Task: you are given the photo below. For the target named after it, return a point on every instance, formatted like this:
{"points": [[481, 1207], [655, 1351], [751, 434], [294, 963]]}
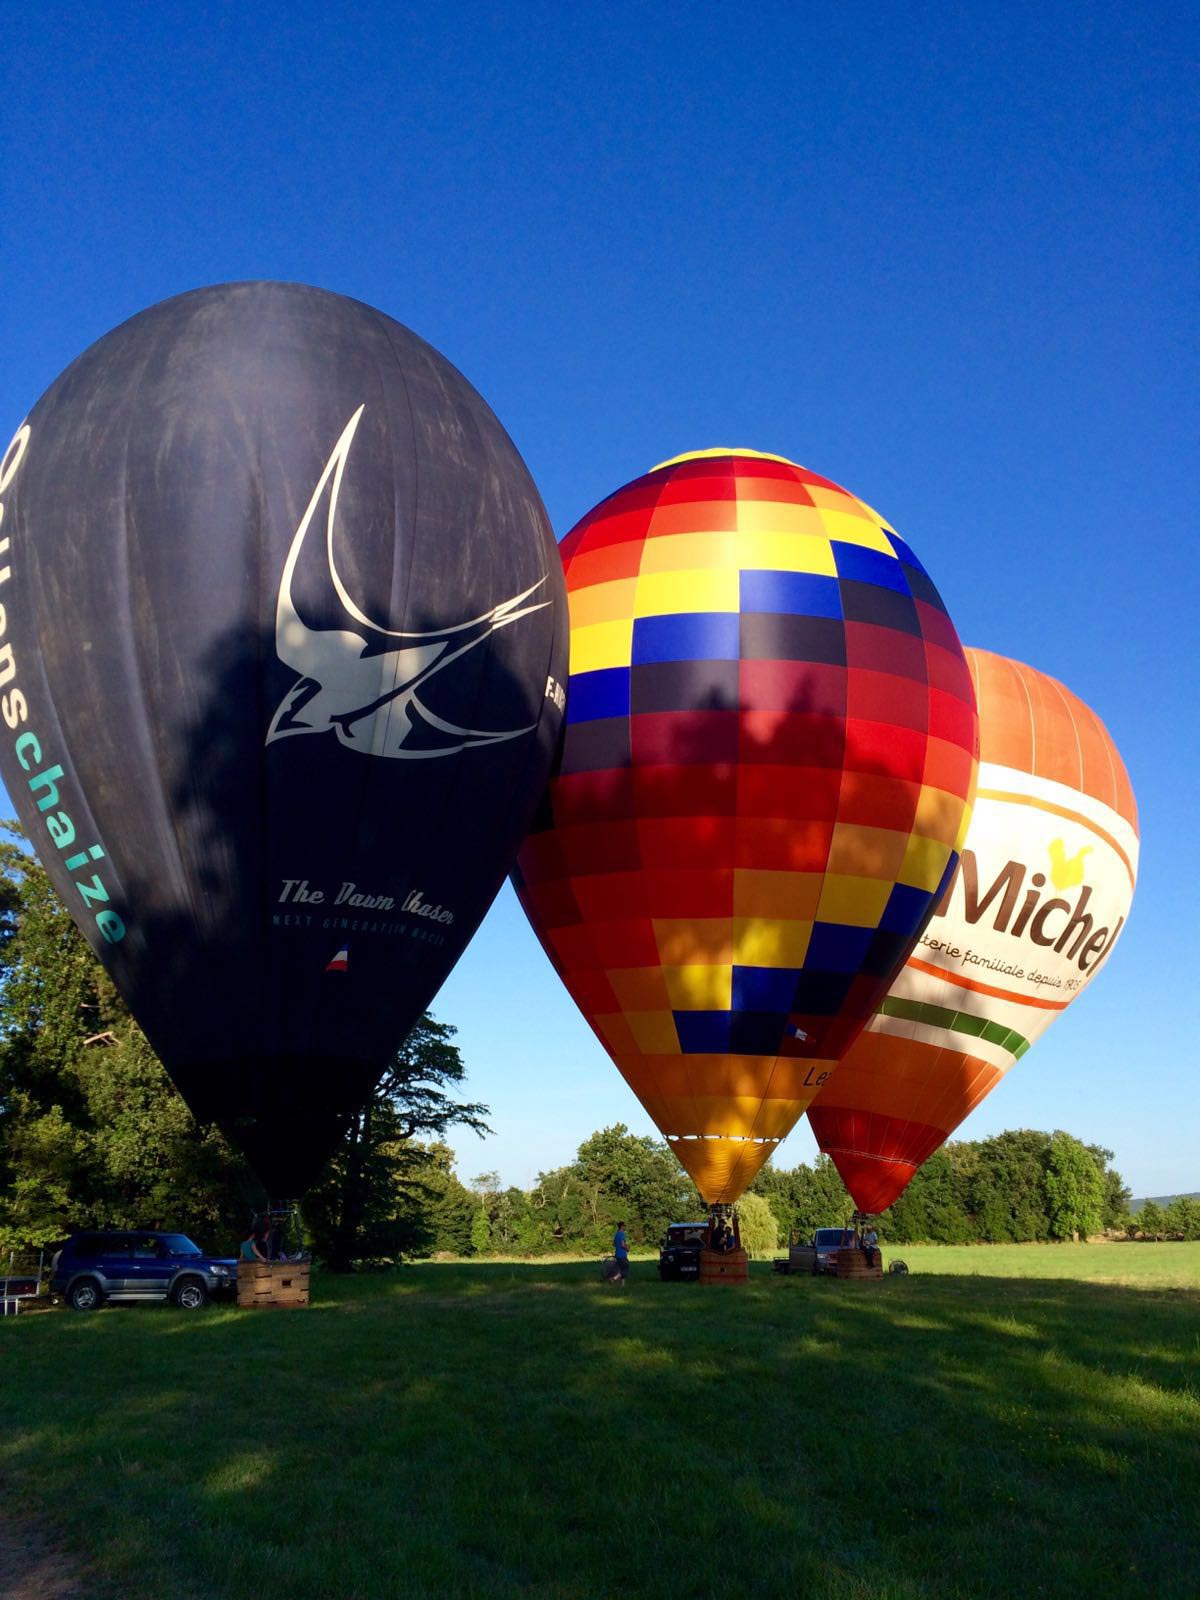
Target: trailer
{"points": [[23, 1280]]}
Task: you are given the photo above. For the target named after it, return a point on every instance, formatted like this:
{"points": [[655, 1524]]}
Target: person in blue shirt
{"points": [[621, 1252], [254, 1248]]}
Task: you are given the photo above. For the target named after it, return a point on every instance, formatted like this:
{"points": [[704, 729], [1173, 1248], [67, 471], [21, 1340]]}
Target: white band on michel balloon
{"points": [[1024, 926]]}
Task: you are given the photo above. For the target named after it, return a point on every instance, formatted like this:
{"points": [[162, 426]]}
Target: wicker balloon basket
{"points": [[853, 1263], [724, 1266], [272, 1283]]}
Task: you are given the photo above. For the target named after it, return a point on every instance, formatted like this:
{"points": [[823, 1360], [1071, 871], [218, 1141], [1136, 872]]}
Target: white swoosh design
{"points": [[372, 702]]}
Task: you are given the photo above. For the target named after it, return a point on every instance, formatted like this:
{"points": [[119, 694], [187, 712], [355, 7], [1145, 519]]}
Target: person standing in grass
{"points": [[621, 1252]]}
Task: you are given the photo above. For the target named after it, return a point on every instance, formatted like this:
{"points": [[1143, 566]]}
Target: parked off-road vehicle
{"points": [[679, 1256], [94, 1267]]}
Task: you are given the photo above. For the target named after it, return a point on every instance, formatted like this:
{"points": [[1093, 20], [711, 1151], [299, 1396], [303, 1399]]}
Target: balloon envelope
{"points": [[283, 621], [1040, 897], [769, 748]]}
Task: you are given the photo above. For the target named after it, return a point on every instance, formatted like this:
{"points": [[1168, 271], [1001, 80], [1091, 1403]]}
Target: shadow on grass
{"points": [[523, 1429]]}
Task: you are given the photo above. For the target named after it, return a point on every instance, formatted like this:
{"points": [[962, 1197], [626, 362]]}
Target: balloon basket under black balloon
{"points": [[273, 1283], [283, 1279]]}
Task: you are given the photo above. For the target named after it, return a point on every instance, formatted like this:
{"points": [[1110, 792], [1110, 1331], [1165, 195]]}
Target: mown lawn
{"points": [[1139, 1265], [513, 1429]]}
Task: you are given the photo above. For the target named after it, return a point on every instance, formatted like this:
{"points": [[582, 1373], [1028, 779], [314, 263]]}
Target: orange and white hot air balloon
{"points": [[1040, 897]]}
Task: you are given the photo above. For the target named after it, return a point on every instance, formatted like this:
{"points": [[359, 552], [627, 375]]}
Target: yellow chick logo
{"points": [[1066, 871]]}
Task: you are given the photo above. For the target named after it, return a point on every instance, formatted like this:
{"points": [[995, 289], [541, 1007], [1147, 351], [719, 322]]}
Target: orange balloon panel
{"points": [[770, 743], [1041, 893]]}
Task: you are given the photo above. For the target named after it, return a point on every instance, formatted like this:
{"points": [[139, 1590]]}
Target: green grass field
{"points": [[1169, 1266], [1009, 1421]]}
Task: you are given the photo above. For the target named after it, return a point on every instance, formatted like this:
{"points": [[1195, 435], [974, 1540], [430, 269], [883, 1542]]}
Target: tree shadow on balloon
{"points": [[309, 889]]}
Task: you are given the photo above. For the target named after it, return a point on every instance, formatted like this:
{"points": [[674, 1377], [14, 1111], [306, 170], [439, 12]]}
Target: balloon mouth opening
{"points": [[873, 1182], [721, 1165], [725, 450]]}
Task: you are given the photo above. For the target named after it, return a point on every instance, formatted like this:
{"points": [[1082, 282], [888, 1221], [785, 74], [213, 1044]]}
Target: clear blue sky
{"points": [[944, 254]]}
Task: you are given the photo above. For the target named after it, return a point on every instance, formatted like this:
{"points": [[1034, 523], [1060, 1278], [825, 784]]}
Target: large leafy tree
{"points": [[1151, 1220], [375, 1200], [1117, 1194], [1008, 1199], [934, 1206], [642, 1183], [449, 1206], [1074, 1188], [757, 1225], [92, 1132]]}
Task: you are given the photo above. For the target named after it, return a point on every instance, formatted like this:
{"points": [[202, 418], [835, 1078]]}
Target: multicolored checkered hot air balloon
{"points": [[769, 751], [1043, 890]]}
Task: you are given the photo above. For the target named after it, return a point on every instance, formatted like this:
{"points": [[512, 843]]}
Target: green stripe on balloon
{"points": [[956, 1022]]}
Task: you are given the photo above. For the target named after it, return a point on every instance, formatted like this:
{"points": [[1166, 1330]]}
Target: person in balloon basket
{"points": [[621, 1254], [255, 1246], [870, 1244], [723, 1237]]}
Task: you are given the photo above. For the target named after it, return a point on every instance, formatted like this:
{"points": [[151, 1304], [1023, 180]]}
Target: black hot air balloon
{"points": [[282, 636]]}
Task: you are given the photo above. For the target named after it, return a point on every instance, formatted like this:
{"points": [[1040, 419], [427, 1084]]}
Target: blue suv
{"points": [[94, 1267]]}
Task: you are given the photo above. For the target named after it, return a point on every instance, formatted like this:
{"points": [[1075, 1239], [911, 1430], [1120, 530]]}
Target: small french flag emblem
{"points": [[341, 961], [793, 1032]]}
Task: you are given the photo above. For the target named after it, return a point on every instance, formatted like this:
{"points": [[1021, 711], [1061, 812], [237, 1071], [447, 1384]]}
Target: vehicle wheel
{"points": [[85, 1294], [190, 1294]]}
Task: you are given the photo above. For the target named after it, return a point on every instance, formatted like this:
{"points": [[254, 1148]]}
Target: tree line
{"points": [[1178, 1219], [93, 1134], [1011, 1188]]}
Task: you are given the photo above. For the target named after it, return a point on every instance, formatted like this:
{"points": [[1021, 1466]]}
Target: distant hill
{"points": [[1161, 1200]]}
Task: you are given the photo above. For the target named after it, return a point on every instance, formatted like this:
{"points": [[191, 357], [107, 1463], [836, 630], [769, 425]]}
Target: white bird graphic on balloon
{"points": [[372, 701]]}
